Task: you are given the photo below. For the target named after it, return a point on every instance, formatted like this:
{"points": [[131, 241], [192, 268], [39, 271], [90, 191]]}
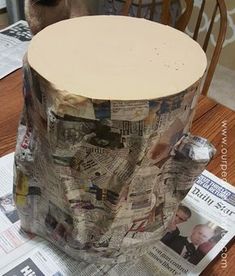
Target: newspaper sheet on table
{"points": [[209, 200], [14, 42]]}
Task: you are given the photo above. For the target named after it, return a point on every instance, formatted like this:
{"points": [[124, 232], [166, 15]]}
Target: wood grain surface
{"points": [[11, 102], [212, 121]]}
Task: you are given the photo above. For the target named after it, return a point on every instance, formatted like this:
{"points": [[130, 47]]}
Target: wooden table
{"points": [[212, 120]]}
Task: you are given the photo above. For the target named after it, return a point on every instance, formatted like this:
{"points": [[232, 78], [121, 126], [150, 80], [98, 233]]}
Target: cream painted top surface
{"points": [[116, 57]]}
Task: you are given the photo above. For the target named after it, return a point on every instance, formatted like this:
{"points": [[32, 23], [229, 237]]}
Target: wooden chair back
{"points": [[166, 16], [183, 21]]}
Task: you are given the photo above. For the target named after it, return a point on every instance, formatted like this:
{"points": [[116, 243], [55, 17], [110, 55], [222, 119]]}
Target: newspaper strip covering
{"points": [[100, 178]]}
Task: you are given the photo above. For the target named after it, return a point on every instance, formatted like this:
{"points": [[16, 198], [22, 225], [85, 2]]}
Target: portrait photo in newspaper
{"points": [[7, 207], [190, 235]]}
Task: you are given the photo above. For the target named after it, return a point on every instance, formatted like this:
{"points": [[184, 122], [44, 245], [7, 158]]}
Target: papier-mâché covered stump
{"points": [[103, 156]]}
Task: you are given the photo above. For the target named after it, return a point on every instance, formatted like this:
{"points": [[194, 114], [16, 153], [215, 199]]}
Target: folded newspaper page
{"points": [[14, 42], [199, 230]]}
